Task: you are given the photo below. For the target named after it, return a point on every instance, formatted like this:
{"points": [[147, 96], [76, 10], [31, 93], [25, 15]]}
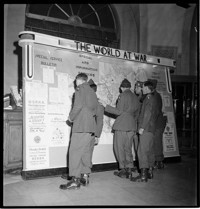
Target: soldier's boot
{"points": [[155, 165], [134, 169], [73, 184], [150, 173], [142, 177], [159, 165], [128, 173], [66, 176], [136, 164], [84, 180], [121, 173]]}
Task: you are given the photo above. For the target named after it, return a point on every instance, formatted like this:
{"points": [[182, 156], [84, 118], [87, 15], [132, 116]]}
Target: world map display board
{"points": [[48, 88]]}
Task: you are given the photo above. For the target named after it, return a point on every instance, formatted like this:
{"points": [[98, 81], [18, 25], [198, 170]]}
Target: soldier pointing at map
{"points": [[124, 128]]}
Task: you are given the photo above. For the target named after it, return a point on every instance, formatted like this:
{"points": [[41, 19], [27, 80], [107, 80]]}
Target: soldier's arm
{"points": [[160, 101], [137, 112], [137, 107], [147, 115], [78, 104], [99, 120], [113, 110], [119, 108]]}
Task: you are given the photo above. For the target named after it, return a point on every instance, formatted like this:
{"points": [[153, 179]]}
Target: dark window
{"points": [[92, 23]]}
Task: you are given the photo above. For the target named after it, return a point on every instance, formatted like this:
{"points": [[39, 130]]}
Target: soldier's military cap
{"points": [[125, 83], [154, 81], [91, 82], [92, 85], [139, 84]]}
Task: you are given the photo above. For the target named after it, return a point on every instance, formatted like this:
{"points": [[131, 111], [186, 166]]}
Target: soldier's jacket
{"points": [[84, 110], [149, 113], [99, 120], [127, 106], [161, 120], [158, 100], [137, 113]]}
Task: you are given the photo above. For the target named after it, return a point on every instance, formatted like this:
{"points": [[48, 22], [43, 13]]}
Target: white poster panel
{"points": [[58, 132], [37, 157], [48, 74], [168, 138], [36, 113]]}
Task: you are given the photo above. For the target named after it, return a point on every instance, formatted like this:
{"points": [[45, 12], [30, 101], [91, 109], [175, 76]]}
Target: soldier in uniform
{"points": [[84, 126], [124, 128], [139, 94], [147, 126], [160, 127], [138, 90]]}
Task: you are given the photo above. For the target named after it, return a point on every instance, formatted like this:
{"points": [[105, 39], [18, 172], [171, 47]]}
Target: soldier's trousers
{"points": [[158, 145], [145, 150], [123, 142], [92, 148], [80, 151], [135, 146]]}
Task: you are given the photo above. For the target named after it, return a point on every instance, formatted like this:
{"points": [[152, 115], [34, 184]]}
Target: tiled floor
{"points": [[176, 185]]}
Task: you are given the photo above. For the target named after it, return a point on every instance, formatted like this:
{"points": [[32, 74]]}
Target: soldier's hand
{"points": [[102, 102], [141, 130], [96, 141], [69, 120], [69, 123]]}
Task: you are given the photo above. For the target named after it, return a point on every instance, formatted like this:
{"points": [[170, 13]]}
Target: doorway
{"points": [[185, 107]]}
